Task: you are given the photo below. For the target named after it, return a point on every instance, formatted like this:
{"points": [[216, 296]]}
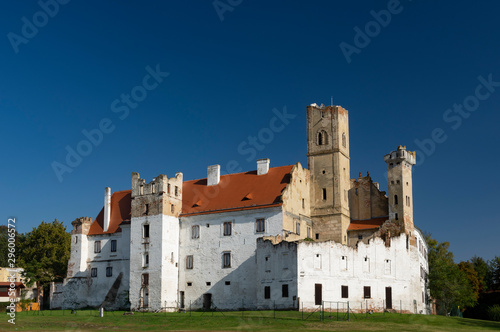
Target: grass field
{"points": [[237, 321]]}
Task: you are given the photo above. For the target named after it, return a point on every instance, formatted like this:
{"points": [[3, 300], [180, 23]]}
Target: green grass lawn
{"points": [[237, 321]]}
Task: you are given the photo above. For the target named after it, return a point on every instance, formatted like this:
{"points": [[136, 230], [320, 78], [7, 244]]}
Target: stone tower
{"points": [[77, 263], [399, 167], [328, 160], [154, 241]]}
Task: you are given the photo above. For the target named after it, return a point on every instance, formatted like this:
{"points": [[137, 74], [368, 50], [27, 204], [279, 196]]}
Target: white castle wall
{"points": [[208, 251]]}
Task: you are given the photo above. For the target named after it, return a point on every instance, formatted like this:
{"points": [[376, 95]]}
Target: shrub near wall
{"points": [[494, 312]]}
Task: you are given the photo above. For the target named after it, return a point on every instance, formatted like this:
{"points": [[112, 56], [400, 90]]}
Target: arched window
{"points": [[344, 140], [322, 138]]}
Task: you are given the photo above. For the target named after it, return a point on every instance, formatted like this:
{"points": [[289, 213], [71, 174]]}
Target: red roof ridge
{"points": [[245, 172]]}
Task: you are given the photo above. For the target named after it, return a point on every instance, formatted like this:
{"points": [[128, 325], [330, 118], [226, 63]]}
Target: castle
{"points": [[277, 236]]}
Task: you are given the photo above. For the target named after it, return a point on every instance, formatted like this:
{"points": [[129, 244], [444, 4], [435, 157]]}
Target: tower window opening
{"points": [[344, 140], [322, 138], [395, 199], [324, 194], [396, 216]]}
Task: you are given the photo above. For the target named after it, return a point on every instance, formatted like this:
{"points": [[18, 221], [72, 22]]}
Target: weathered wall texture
{"points": [[208, 276], [296, 205], [333, 265], [366, 201], [328, 159]]}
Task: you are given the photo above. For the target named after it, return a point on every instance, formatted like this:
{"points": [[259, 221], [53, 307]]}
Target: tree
{"points": [[495, 272], [468, 268], [447, 283], [4, 237], [483, 273], [44, 253]]}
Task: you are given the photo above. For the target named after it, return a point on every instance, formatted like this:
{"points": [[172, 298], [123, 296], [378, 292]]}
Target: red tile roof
{"points": [[357, 225], [7, 284], [240, 191], [120, 211]]}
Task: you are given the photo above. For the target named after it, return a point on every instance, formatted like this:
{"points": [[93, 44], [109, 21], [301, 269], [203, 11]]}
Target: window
{"points": [[303, 204], [172, 208], [195, 232], [176, 191], [168, 188], [141, 190], [367, 292], [324, 194], [267, 292], [344, 140], [227, 283], [387, 267], [308, 232], [396, 216], [297, 228], [395, 199], [284, 290], [322, 138], [145, 260], [109, 271], [226, 260], [113, 245], [345, 292], [260, 226], [190, 284], [145, 231], [145, 279], [227, 228], [146, 209], [189, 262], [93, 272], [152, 188], [209, 283], [97, 246], [317, 236], [360, 237], [357, 192]]}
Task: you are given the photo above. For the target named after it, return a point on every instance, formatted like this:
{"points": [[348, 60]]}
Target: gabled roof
{"points": [[120, 211], [357, 225], [240, 191], [235, 192]]}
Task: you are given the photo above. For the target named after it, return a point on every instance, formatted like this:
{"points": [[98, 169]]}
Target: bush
{"points": [[494, 312]]}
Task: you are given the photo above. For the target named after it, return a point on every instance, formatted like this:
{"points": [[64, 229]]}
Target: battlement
{"points": [[81, 225], [400, 155], [160, 185], [327, 109]]}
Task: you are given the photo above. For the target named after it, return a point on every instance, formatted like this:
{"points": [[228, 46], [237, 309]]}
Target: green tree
{"points": [[3, 245], [447, 283], [44, 253], [495, 272], [468, 268], [483, 273]]}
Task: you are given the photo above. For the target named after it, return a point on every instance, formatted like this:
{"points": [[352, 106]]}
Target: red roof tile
{"points": [[18, 284], [240, 191], [357, 225], [120, 211]]}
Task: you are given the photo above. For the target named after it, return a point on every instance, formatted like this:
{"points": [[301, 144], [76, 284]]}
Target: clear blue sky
{"points": [[226, 77]]}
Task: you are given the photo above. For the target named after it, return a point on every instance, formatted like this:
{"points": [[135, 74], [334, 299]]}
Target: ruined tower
{"points": [[329, 164], [154, 243], [399, 168]]}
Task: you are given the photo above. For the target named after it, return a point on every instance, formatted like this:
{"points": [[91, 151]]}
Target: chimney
{"points": [[263, 166], [213, 175], [107, 208]]}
